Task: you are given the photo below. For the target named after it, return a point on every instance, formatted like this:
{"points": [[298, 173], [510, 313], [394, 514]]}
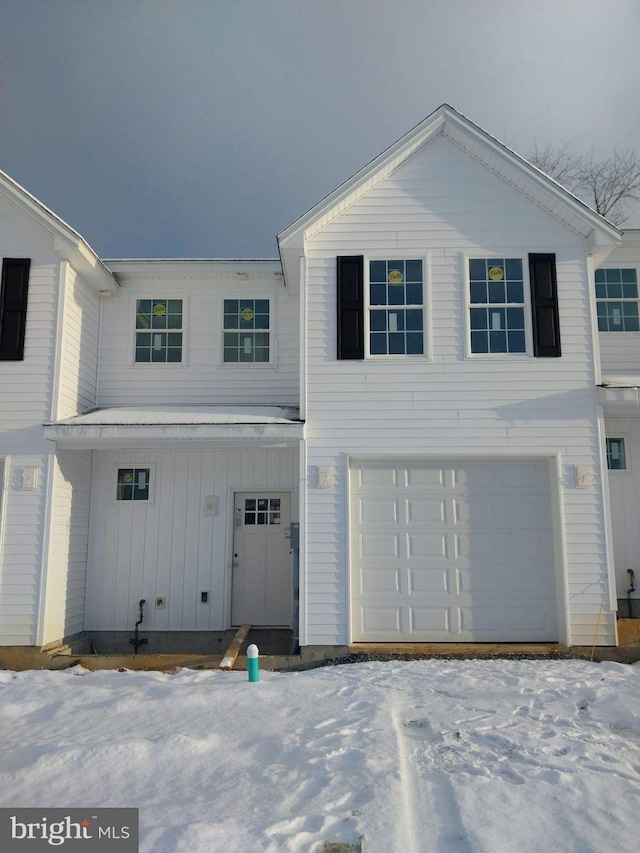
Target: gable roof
{"points": [[69, 244], [448, 122]]}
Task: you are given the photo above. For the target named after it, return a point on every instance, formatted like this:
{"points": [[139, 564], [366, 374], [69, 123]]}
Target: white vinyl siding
{"points": [[68, 545], [169, 547], [79, 347], [25, 403], [444, 203], [205, 380], [624, 491]]}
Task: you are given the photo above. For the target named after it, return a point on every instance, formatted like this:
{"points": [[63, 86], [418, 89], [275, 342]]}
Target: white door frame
{"points": [[232, 491]]}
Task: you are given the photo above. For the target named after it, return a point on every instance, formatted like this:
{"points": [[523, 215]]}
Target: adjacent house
{"points": [[436, 384]]}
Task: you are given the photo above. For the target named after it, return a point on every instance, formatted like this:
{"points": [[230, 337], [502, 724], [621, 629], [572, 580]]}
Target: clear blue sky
{"points": [[201, 128]]}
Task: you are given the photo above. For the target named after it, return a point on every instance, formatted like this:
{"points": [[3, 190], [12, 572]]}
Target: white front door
{"points": [[261, 585]]}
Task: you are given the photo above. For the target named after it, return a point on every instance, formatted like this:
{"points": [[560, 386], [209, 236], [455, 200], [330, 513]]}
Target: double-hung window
{"points": [[396, 307], [497, 305], [617, 300], [246, 331], [159, 331]]}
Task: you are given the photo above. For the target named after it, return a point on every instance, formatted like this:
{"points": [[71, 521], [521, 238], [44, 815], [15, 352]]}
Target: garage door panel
{"points": [[427, 511], [485, 620], [480, 582], [382, 620], [433, 620], [421, 545], [427, 477], [375, 580], [376, 510], [420, 581], [376, 476], [378, 545], [452, 551]]}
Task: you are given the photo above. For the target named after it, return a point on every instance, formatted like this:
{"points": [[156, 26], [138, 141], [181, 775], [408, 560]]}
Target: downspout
{"points": [[302, 458]]}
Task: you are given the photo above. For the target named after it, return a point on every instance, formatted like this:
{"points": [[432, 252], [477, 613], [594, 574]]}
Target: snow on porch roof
{"points": [[112, 426]]}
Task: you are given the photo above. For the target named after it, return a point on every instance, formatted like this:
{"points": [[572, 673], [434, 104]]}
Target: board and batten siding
{"points": [[445, 204], [169, 547], [203, 380], [620, 351], [79, 347], [624, 499], [25, 403], [68, 545]]}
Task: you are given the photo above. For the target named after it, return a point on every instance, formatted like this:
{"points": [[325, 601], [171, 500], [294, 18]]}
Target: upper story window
{"points": [[159, 331], [512, 309], [396, 307], [617, 300], [247, 331], [13, 307], [497, 305]]}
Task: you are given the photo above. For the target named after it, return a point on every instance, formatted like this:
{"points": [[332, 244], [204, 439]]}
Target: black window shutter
{"points": [[13, 307], [544, 306], [351, 307]]}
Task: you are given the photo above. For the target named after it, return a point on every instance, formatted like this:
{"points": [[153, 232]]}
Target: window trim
{"points": [[619, 472], [117, 466], [271, 298], [507, 254], [163, 365], [396, 255], [616, 266]]}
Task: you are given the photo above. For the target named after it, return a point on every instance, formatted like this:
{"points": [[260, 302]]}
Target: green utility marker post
{"points": [[253, 666]]}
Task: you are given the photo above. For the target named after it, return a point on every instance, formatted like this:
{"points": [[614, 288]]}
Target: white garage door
{"points": [[456, 551]]}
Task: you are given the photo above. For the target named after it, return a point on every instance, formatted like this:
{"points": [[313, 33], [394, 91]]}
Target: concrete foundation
{"points": [[274, 645], [270, 641]]}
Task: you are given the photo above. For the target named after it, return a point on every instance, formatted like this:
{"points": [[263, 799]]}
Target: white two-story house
{"points": [[431, 381]]}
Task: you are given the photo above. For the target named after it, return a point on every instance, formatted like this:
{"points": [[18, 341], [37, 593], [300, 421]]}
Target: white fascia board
{"points": [[631, 237], [620, 400], [241, 266], [86, 264], [449, 122], [597, 228], [67, 241], [377, 168], [112, 435]]}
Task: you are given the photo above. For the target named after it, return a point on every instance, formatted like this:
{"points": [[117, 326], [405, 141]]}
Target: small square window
{"points": [[133, 484], [616, 454], [159, 328], [246, 331]]}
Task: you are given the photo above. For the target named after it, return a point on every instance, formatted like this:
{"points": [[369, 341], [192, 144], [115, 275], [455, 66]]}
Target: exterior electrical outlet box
{"points": [[210, 507], [161, 601], [204, 597]]}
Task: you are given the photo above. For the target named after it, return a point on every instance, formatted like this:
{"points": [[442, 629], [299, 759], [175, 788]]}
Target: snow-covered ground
{"points": [[443, 756]]}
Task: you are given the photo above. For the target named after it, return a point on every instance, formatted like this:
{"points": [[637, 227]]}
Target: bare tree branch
{"points": [[606, 185], [561, 163]]}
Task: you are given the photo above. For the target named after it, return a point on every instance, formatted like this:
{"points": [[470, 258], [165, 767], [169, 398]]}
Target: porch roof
{"points": [[127, 426], [620, 395]]}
